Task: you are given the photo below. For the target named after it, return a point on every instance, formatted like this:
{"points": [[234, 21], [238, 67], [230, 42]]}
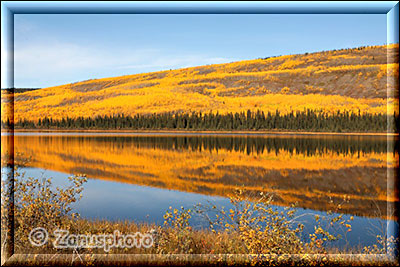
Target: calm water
{"points": [[138, 176]]}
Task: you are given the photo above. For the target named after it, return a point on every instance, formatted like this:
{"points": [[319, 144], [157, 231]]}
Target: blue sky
{"points": [[57, 49]]}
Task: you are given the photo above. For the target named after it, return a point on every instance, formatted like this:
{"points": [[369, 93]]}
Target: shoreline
{"points": [[191, 132]]}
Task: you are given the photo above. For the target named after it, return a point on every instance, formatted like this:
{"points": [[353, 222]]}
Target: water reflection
{"points": [[314, 172]]}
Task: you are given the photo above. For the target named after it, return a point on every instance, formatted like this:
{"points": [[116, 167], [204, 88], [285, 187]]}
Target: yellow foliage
{"points": [[285, 90], [289, 64]]}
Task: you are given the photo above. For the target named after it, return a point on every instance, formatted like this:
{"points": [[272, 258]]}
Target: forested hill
{"points": [[348, 80]]}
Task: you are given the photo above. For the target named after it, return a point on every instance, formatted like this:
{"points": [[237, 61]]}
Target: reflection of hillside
{"points": [[310, 171]]}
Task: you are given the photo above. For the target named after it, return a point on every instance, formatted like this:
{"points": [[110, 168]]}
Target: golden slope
{"points": [[349, 79]]}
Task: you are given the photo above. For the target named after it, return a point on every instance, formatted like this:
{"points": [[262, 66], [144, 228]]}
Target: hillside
{"points": [[348, 79]]}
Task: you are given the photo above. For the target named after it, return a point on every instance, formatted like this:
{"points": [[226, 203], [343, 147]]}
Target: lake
{"points": [[138, 176]]}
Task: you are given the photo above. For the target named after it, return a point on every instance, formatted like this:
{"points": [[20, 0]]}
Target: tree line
{"points": [[18, 90], [307, 120], [249, 144]]}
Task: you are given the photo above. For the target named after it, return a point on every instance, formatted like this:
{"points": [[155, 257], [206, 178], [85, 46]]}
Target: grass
{"points": [[253, 232]]}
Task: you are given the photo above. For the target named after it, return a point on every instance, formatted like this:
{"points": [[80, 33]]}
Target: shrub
{"points": [[37, 203]]}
